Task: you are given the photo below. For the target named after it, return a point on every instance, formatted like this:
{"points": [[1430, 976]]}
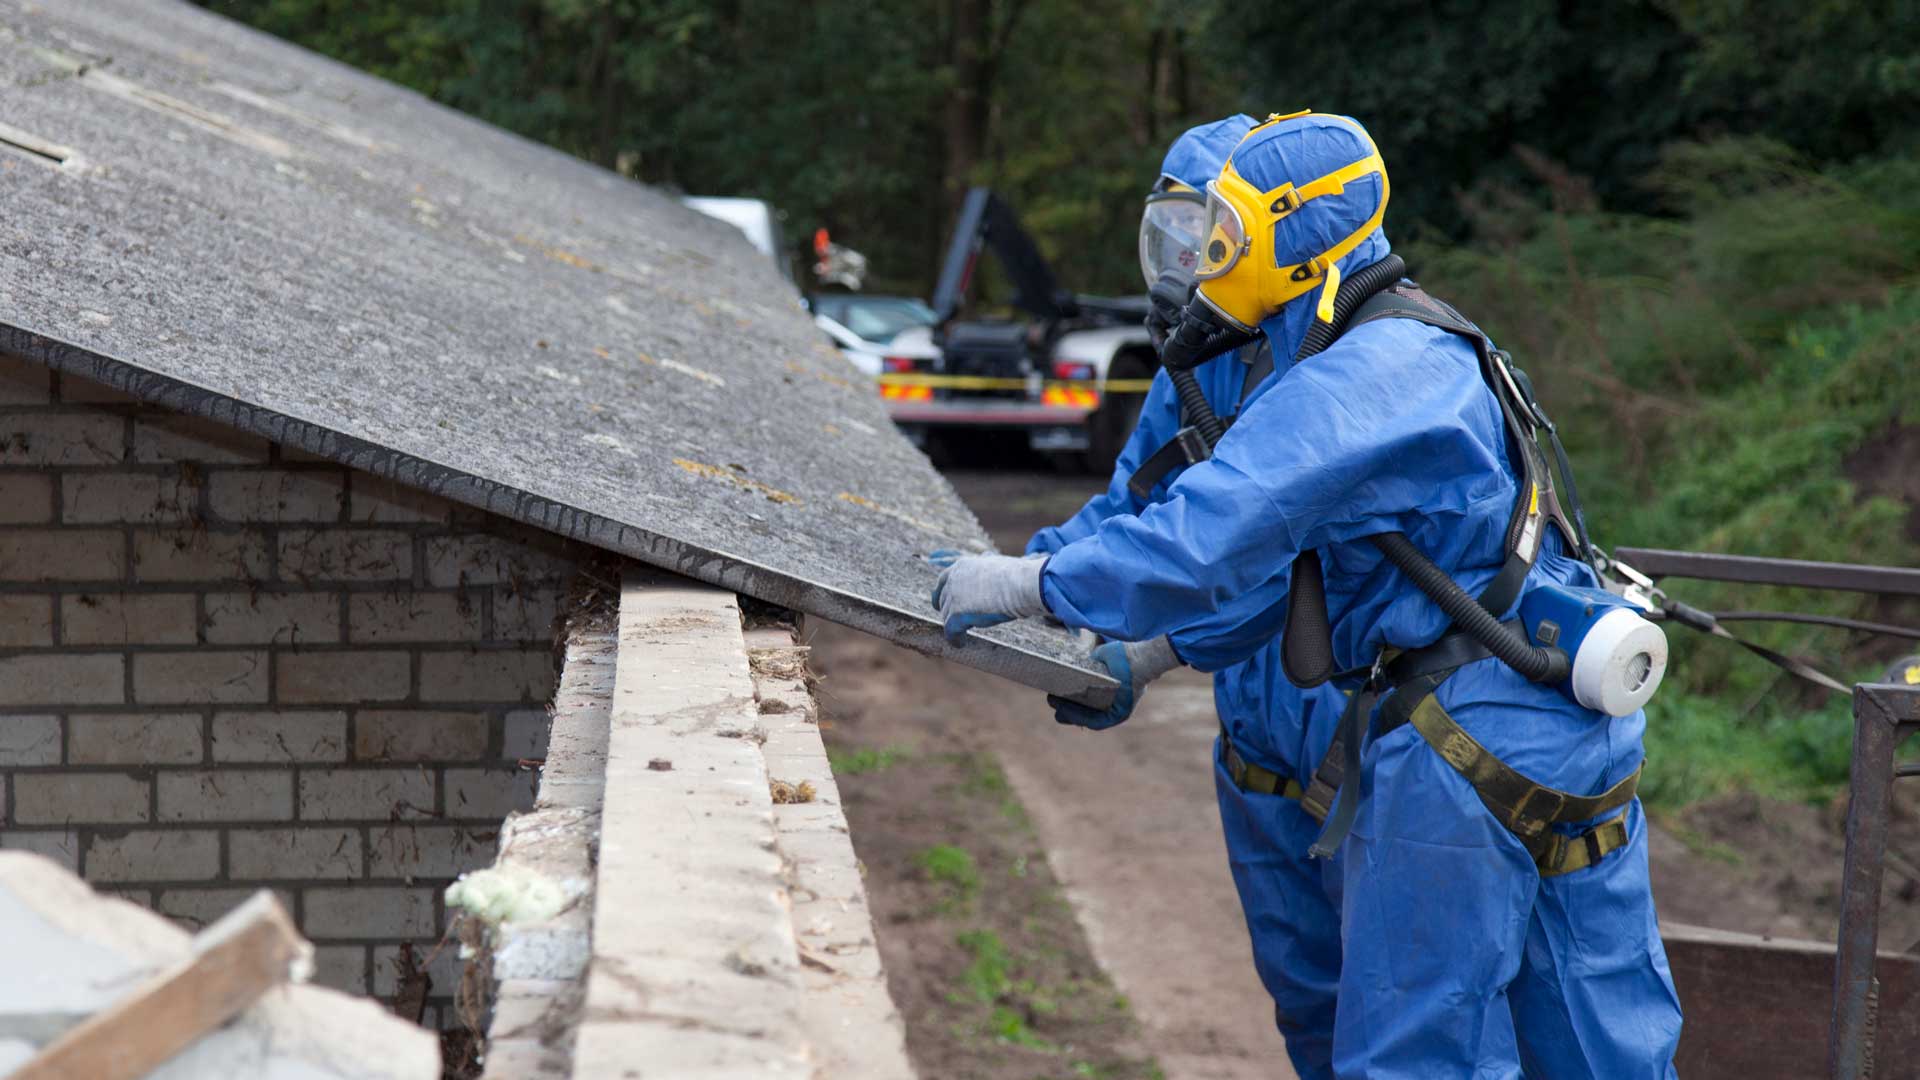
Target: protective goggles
{"points": [[1240, 273], [1171, 228]]}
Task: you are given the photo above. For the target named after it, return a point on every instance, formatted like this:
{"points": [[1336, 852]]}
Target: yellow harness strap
{"points": [[1528, 809]]}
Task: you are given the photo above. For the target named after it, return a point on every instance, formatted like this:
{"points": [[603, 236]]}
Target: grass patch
{"points": [[866, 759], [986, 780], [988, 980], [954, 868]]}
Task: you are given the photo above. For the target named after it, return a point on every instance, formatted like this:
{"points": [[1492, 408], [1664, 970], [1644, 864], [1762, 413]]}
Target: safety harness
{"points": [[1545, 819], [1189, 445]]}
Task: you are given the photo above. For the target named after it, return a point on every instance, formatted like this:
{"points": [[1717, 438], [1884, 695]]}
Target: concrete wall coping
{"points": [[722, 935]]}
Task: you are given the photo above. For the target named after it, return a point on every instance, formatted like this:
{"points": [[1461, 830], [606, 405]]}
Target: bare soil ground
{"points": [[1123, 825]]}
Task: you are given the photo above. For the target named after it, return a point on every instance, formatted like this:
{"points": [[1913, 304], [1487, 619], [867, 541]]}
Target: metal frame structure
{"points": [[1884, 715]]}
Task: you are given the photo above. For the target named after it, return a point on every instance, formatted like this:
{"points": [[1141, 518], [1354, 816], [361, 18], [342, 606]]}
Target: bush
{"points": [[1716, 376]]}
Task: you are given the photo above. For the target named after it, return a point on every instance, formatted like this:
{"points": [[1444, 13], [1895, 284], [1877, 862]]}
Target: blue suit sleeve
{"points": [[1159, 420], [1378, 433]]}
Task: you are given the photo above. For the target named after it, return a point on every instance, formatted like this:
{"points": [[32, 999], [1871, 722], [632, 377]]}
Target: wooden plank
{"points": [[235, 961]]}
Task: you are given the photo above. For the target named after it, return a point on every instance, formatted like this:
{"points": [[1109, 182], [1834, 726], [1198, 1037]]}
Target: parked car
{"points": [[877, 333]]}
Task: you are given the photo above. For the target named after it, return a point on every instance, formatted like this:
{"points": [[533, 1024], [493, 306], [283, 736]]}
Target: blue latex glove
{"points": [[986, 590], [945, 557], [1134, 664]]}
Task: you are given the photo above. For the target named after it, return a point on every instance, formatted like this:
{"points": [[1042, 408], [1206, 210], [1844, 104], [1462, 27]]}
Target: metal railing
{"points": [[1884, 715]]}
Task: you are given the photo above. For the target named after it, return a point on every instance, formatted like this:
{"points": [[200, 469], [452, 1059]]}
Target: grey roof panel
{"points": [[249, 232]]}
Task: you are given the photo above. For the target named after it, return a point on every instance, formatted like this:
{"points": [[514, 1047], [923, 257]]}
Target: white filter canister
{"points": [[1620, 663]]}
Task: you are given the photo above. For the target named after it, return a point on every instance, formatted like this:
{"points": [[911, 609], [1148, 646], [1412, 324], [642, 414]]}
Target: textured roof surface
{"points": [[247, 231]]}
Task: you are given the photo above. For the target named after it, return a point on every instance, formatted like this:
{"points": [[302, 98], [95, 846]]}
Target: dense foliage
{"points": [[1694, 220]]}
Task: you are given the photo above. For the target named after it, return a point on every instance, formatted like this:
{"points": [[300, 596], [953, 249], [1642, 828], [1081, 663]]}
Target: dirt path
{"points": [[1127, 822], [1126, 817]]}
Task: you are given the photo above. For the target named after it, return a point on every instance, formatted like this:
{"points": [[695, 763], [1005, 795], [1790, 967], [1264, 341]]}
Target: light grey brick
{"points": [[62, 555], [489, 794], [250, 618], [477, 559], [365, 794], [226, 795], [94, 798], [271, 854], [375, 500], [343, 677], [201, 677], [200, 907], [60, 845], [413, 616], [526, 734], [26, 498], [62, 439], [368, 912], [162, 439], [525, 613], [419, 735], [134, 739], [103, 618], [200, 555], [276, 495], [153, 855], [495, 675], [429, 851], [345, 555], [23, 382], [29, 740], [442, 963], [341, 967], [279, 737], [62, 679], [137, 498], [25, 621]]}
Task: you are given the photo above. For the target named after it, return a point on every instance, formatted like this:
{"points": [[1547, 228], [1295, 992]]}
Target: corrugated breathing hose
{"points": [[1537, 663]]}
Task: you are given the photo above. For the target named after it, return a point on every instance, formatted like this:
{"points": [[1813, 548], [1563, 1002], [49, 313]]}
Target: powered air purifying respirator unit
{"points": [[1618, 657]]}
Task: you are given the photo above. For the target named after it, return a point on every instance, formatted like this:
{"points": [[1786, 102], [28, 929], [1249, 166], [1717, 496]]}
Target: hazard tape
{"points": [[984, 382]]}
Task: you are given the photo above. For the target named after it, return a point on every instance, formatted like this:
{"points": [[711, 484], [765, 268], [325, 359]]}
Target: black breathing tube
{"points": [[1536, 663], [1170, 297], [1353, 292]]}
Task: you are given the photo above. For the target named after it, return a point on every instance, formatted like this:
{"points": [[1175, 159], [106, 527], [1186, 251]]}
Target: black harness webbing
{"points": [[1188, 446], [1531, 811]]}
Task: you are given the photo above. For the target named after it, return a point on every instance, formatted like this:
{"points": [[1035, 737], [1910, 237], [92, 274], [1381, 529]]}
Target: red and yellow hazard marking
{"points": [[1092, 387]]}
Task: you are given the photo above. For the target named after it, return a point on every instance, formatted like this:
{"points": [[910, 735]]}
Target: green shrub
{"points": [[1713, 374]]}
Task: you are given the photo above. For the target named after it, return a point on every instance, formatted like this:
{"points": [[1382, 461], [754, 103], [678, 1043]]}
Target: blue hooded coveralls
{"points": [[1291, 902], [1459, 959]]}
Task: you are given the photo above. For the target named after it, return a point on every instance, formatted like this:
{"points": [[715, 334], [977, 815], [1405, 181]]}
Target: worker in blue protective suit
{"points": [[1272, 732], [1485, 933]]}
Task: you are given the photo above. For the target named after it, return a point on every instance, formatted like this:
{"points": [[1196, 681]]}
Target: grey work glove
{"points": [[1134, 664], [986, 590]]}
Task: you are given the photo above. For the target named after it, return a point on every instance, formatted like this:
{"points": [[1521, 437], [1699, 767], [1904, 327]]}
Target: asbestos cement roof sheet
{"points": [[225, 224]]}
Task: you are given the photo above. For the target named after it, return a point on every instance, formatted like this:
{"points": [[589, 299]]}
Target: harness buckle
{"points": [[1529, 822]]}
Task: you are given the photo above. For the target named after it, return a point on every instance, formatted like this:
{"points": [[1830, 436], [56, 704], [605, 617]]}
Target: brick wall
{"points": [[225, 665]]}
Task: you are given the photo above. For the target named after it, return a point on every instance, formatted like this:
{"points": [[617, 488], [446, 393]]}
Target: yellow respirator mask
{"points": [[1237, 272]]}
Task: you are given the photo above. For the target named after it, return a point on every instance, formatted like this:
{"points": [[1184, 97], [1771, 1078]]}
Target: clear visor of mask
{"points": [[1170, 233], [1226, 236]]}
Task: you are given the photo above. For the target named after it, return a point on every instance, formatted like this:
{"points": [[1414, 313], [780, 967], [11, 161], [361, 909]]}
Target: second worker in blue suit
{"points": [[1273, 734]]}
